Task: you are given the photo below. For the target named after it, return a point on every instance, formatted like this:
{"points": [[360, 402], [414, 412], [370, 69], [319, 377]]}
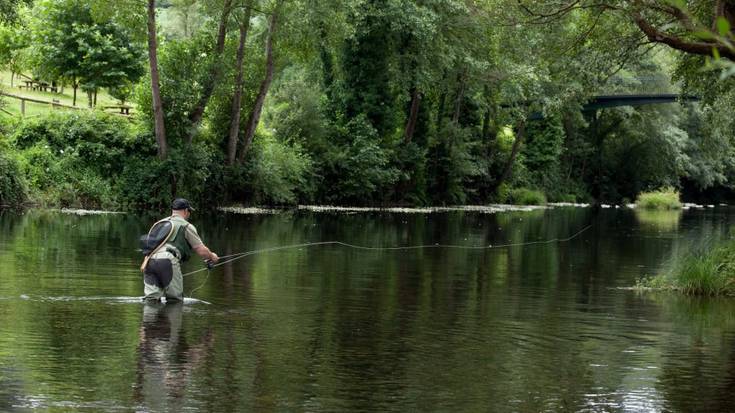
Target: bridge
{"points": [[612, 101]]}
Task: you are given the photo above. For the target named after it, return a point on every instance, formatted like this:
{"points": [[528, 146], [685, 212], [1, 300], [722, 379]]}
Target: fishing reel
{"points": [[209, 264]]}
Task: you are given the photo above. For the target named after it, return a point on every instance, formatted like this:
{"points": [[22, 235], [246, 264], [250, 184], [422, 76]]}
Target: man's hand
{"points": [[214, 258]]}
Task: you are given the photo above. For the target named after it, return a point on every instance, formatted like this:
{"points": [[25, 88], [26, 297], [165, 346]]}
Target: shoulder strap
{"points": [[168, 236]]}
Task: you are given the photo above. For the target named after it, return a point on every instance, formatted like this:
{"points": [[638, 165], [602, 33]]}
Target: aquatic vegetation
{"points": [[526, 196], [664, 198], [703, 271]]}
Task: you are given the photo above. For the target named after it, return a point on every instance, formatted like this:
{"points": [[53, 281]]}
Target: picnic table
{"points": [[124, 109], [40, 86]]}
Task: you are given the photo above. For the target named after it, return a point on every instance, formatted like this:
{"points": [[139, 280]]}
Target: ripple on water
{"points": [[111, 300]]}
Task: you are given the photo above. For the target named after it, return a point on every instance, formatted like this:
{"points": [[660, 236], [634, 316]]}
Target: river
{"points": [[545, 326]]}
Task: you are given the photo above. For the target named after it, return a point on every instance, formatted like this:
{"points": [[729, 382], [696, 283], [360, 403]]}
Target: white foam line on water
{"points": [[115, 300], [87, 211], [487, 209], [250, 210]]}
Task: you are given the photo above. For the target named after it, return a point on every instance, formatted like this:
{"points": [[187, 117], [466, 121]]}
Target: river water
{"points": [[528, 328]]}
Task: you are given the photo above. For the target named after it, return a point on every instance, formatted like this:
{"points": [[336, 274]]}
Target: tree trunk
{"points": [[74, 100], [89, 98], [413, 115], [252, 124], [460, 97], [12, 75], [95, 97], [160, 129], [195, 116], [513, 154], [327, 64], [489, 130], [237, 96]]}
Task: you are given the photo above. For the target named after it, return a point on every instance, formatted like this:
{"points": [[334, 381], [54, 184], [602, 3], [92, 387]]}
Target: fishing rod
{"points": [[232, 257]]}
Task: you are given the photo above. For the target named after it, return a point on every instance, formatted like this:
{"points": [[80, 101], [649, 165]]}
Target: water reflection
{"points": [[657, 220], [533, 328], [166, 361]]}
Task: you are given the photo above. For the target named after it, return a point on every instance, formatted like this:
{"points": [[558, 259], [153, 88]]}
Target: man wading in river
{"points": [[170, 242]]}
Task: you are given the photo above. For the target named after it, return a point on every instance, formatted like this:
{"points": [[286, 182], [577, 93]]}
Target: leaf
{"points": [[723, 26], [716, 53], [679, 4], [728, 73], [704, 34]]}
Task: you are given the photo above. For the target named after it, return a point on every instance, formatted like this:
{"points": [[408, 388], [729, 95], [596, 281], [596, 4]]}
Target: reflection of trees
{"points": [[698, 355], [44, 242], [330, 328]]}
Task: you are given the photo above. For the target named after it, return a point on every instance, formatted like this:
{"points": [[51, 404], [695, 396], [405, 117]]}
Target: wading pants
{"points": [[162, 277]]}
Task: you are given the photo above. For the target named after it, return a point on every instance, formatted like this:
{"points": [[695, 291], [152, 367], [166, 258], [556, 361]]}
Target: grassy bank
{"points": [[705, 271], [663, 199], [13, 106]]}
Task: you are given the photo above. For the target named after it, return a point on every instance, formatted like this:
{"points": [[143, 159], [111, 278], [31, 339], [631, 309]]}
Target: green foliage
{"points": [[9, 9], [366, 65], [277, 173], [664, 198], [704, 271], [356, 169], [147, 182], [98, 140], [526, 196], [14, 42], [452, 164], [13, 191], [180, 84], [296, 111], [345, 77], [542, 156], [73, 158], [69, 45], [59, 179]]}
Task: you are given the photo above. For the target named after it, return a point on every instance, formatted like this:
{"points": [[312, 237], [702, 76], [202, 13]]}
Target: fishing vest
{"points": [[179, 241]]}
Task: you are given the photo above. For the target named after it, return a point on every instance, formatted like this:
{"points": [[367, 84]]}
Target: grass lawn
{"points": [[33, 109]]}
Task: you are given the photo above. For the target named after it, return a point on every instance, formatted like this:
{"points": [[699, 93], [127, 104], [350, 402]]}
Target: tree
{"points": [[159, 127], [14, 42], [234, 133], [9, 9], [69, 45], [254, 118]]}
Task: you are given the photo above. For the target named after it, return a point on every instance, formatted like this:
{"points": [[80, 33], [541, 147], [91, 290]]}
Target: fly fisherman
{"points": [[162, 268]]}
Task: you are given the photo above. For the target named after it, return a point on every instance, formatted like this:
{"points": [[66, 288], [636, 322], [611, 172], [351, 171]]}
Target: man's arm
{"points": [[192, 237], [205, 253]]}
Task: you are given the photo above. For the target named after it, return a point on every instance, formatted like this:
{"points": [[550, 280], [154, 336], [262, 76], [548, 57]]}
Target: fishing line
{"points": [[229, 258]]}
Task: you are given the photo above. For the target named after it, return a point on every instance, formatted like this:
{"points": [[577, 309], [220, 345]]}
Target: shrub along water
{"points": [[526, 196], [664, 198], [707, 271], [12, 187]]}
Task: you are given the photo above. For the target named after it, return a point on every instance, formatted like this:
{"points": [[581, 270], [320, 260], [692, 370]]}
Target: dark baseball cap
{"points": [[181, 203]]}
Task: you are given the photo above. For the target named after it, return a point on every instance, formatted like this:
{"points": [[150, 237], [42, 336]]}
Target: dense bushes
{"points": [[12, 187], [665, 198], [525, 196], [71, 159], [275, 173]]}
